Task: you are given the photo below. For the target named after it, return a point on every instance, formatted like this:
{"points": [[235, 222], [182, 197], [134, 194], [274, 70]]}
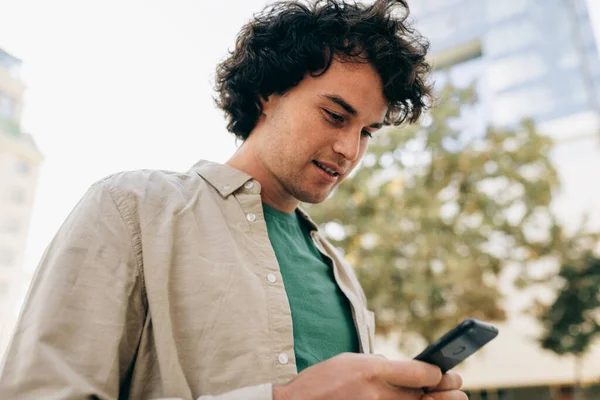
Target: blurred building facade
{"points": [[528, 59], [20, 161]]}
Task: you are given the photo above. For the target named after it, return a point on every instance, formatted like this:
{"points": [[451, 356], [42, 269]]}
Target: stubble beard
{"points": [[294, 185]]}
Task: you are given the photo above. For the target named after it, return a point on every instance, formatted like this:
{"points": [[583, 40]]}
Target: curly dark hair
{"points": [[288, 39]]}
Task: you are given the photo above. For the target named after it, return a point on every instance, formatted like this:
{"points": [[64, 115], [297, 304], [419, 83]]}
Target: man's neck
{"points": [[272, 192]]}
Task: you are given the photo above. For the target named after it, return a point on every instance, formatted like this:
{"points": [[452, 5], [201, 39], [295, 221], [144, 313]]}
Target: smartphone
{"points": [[458, 344]]}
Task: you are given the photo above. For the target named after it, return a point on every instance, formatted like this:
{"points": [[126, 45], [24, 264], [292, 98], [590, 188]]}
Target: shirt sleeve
{"points": [[81, 322]]}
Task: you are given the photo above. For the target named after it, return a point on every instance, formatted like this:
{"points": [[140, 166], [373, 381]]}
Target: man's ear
{"points": [[267, 103], [264, 103]]}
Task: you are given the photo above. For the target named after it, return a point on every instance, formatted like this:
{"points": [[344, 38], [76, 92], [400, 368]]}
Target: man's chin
{"points": [[314, 198]]}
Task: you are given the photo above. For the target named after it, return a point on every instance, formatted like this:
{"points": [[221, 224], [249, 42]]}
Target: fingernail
{"points": [[428, 398]]}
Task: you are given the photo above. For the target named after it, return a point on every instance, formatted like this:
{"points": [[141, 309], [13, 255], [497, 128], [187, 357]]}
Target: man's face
{"points": [[311, 138]]}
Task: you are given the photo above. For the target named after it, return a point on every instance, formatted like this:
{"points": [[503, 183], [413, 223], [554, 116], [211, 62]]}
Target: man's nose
{"points": [[348, 144]]}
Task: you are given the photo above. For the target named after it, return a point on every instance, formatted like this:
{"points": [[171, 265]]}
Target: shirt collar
{"points": [[306, 217], [227, 180], [222, 177]]}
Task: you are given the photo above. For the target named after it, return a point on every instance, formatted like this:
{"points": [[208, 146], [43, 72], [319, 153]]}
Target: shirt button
{"points": [[249, 185], [251, 217], [283, 358], [271, 278]]}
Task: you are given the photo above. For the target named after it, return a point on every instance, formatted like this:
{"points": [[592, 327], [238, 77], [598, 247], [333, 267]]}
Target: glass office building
{"points": [[536, 59], [530, 58]]}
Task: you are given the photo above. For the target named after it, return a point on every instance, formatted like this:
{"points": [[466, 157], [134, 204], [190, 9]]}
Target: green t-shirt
{"points": [[321, 313]]}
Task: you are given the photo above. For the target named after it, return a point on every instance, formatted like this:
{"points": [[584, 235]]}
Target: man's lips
{"points": [[329, 168]]}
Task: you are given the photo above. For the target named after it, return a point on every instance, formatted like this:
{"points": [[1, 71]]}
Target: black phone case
{"points": [[458, 344]]}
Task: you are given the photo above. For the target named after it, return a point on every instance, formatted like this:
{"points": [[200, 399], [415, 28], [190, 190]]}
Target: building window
{"points": [[510, 37], [22, 167], [428, 6], [500, 394], [10, 226], [513, 106], [7, 106], [499, 10], [17, 196], [7, 257], [511, 71]]}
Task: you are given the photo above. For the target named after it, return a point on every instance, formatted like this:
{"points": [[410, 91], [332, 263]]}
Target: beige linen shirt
{"points": [[163, 285]]}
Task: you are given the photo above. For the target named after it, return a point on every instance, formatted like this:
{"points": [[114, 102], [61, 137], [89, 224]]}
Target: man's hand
{"points": [[451, 382], [367, 377]]}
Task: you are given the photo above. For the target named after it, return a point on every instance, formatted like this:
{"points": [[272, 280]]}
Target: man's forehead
{"points": [[355, 82]]}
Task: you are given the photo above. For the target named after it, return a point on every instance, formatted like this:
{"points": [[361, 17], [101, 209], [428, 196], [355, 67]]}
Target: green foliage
{"points": [[432, 217], [572, 322]]}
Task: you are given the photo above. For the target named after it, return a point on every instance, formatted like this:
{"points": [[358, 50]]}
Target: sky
{"points": [[118, 85]]}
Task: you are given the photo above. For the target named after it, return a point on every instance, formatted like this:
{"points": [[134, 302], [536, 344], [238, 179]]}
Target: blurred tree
{"points": [[572, 322], [433, 216]]}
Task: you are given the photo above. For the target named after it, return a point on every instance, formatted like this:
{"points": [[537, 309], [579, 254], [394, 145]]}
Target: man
{"points": [[213, 284]]}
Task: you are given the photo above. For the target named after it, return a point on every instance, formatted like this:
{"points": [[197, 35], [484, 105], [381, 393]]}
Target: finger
{"points": [[409, 373], [447, 395], [450, 381], [395, 393]]}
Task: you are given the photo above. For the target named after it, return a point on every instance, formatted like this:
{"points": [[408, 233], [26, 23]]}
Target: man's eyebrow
{"points": [[341, 102], [348, 108]]}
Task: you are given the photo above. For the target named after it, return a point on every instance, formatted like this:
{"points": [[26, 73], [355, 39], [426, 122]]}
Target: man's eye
{"points": [[335, 117], [367, 133]]}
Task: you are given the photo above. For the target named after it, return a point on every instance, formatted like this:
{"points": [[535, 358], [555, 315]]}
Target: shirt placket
{"points": [[280, 317]]}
